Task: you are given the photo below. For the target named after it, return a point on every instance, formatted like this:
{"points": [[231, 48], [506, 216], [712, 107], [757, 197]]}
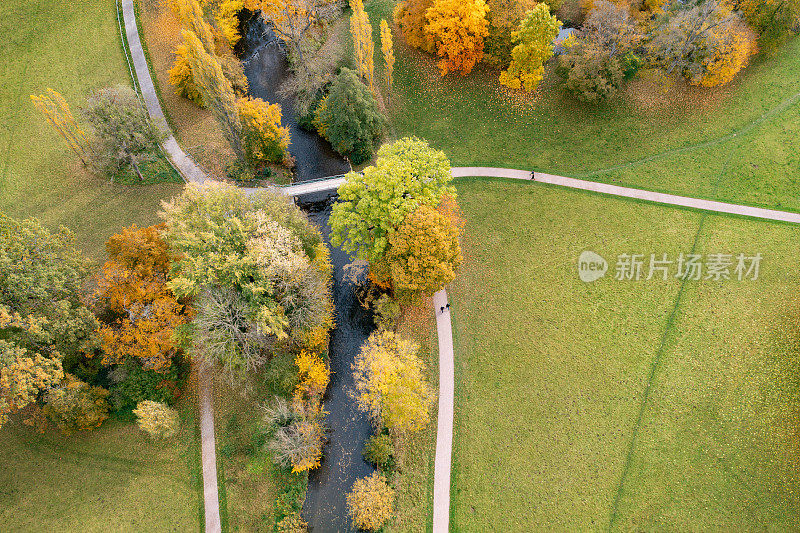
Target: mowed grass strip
{"points": [[73, 47], [113, 478], [550, 371], [718, 445]]}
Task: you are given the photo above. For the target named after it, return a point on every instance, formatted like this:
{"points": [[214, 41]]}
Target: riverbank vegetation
{"points": [[606, 387]]}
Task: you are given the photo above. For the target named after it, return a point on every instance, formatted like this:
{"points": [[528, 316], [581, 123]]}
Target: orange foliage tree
{"points": [[410, 16], [424, 252], [458, 28], [140, 311]]}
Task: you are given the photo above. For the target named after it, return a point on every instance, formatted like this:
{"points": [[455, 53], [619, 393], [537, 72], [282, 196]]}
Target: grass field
{"points": [[73, 47], [476, 122], [640, 405], [113, 478]]}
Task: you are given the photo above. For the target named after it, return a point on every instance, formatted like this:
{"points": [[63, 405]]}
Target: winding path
{"points": [[191, 172]]}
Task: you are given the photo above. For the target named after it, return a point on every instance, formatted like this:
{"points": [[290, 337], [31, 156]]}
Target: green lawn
{"points": [[664, 407], [72, 47], [113, 478], [476, 123]]}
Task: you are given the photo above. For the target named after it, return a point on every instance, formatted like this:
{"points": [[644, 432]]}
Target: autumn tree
{"points": [[774, 21], [140, 313], [181, 75], [24, 376], [349, 118], [458, 29], [264, 139], [424, 253], [407, 174], [388, 55], [56, 109], [595, 63], [504, 18], [364, 47], [42, 309], [390, 385], [410, 17], [259, 271], [371, 502], [216, 90], [125, 135], [227, 18], [76, 405], [535, 46], [707, 42]]}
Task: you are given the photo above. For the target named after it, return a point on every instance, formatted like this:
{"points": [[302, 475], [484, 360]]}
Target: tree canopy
{"points": [[259, 270], [535, 46], [408, 173]]}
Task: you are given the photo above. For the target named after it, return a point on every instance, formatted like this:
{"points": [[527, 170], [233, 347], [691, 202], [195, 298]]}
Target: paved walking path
{"points": [[208, 451], [444, 428], [627, 192], [188, 168]]}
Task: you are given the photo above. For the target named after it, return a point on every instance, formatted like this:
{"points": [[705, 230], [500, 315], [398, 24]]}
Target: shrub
{"points": [[131, 384], [76, 405], [349, 118], [371, 502], [378, 450], [157, 419], [281, 374], [292, 523], [387, 311]]}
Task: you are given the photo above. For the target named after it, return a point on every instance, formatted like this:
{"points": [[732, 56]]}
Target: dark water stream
{"points": [[325, 507], [266, 69]]}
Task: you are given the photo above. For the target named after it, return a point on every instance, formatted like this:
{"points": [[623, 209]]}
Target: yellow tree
{"points": [[388, 54], [56, 110], [535, 38], [458, 28], [389, 383], [264, 139], [729, 57], [216, 90], [193, 19], [227, 19], [363, 44]]}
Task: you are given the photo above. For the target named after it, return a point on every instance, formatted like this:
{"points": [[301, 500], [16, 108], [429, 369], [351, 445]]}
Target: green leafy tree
{"points": [[41, 278], [408, 173], [125, 134], [349, 118], [775, 21], [535, 46]]}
